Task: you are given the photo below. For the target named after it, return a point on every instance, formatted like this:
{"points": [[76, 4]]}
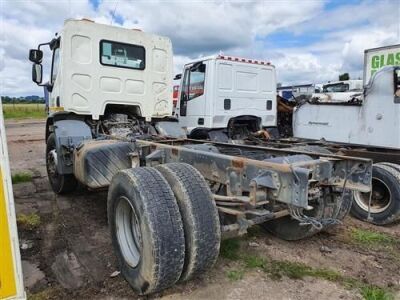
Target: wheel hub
{"points": [[128, 232], [52, 162], [381, 197]]}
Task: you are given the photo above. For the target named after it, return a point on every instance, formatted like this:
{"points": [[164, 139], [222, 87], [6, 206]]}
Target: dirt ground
{"points": [[68, 254]]}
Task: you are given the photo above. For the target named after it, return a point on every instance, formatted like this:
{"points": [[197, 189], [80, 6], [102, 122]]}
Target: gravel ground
{"points": [[68, 253]]}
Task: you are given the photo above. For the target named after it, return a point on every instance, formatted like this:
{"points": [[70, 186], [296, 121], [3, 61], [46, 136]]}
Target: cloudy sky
{"points": [[307, 41]]}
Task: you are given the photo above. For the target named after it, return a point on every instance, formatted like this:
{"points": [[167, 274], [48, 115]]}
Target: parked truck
{"points": [[170, 199], [224, 97], [366, 126], [356, 121]]}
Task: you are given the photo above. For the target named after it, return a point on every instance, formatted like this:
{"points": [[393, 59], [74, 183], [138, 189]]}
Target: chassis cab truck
{"points": [[221, 96], [368, 127], [170, 199]]}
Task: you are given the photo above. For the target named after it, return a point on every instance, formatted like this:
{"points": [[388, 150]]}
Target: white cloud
{"points": [[205, 27]]}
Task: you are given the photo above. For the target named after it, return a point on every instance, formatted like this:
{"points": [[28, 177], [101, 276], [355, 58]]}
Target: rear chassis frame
{"points": [[377, 154], [249, 190]]}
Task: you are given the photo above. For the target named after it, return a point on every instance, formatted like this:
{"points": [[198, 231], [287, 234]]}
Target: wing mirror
{"points": [[178, 76], [37, 73], [35, 56]]}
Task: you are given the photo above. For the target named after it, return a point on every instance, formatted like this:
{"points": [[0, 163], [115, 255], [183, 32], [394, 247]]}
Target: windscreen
{"points": [[336, 88]]}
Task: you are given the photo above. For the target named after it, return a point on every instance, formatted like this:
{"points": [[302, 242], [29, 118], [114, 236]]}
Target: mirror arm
{"points": [[43, 44]]}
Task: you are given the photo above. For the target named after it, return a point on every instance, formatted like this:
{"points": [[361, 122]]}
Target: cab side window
{"points": [[196, 81], [55, 64], [193, 82], [185, 86]]}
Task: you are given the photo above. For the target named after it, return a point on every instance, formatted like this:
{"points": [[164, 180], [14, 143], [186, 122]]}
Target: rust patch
{"points": [[238, 163]]}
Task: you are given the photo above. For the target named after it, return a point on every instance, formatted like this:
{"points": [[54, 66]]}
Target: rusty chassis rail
{"points": [[251, 183], [377, 154]]}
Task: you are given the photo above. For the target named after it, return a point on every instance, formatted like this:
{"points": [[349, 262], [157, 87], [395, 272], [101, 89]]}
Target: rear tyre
{"points": [[331, 205], [60, 183], [392, 165], [146, 229], [385, 199], [199, 215]]}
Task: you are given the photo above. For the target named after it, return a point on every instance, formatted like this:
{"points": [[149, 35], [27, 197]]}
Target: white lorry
{"points": [[339, 91], [369, 127], [221, 92], [169, 198]]}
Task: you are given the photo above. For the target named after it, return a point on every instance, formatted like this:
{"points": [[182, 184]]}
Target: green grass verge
{"points": [[24, 111], [375, 293], [30, 221], [230, 249], [21, 177], [372, 239], [235, 275], [277, 269]]}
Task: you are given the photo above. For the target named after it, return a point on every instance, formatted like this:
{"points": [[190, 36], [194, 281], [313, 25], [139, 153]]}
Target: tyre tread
{"points": [[199, 215]]}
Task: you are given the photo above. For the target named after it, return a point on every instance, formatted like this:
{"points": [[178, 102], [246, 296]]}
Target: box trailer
{"points": [[377, 58]]}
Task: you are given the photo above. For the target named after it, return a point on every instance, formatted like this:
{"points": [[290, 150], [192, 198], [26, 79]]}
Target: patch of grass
{"points": [[29, 222], [295, 270], [375, 293], [277, 269], [230, 249], [235, 275], [47, 294], [253, 261], [21, 177], [371, 239], [24, 111]]}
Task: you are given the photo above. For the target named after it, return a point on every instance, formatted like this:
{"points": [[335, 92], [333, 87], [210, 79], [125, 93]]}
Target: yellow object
{"points": [[56, 108], [11, 284]]}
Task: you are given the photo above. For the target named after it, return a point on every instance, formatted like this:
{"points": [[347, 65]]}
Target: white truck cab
{"points": [[106, 66], [339, 91], [215, 89]]}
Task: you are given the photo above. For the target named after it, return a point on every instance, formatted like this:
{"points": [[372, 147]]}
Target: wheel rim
{"points": [[380, 200], [128, 232], [52, 163]]}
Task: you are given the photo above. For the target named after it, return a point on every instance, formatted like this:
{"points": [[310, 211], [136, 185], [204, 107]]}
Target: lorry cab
{"points": [[216, 89], [97, 68], [339, 91]]}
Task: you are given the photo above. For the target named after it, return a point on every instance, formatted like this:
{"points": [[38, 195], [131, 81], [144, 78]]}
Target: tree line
{"points": [[22, 100]]}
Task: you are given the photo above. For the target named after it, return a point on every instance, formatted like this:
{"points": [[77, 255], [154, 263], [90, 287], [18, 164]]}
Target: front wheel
{"points": [[60, 183], [384, 206]]}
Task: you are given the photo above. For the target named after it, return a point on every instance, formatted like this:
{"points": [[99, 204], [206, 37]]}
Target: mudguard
{"points": [[69, 135]]}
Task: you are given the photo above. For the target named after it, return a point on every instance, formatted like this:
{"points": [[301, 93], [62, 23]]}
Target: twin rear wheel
{"points": [[383, 205], [164, 225]]}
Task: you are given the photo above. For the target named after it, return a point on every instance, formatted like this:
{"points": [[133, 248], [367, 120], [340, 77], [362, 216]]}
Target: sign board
{"points": [[11, 283], [377, 58]]}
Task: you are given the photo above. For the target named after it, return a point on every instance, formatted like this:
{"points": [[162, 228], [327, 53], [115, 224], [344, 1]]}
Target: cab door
{"points": [[191, 108]]}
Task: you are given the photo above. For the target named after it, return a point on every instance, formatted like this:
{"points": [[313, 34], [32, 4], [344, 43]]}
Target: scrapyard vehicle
{"points": [[370, 128], [219, 80], [224, 98], [170, 199], [339, 91]]}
